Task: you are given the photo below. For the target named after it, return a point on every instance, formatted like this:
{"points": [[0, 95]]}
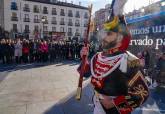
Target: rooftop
{"points": [[59, 3]]}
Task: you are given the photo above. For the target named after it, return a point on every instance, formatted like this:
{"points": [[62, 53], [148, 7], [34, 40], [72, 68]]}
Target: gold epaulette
{"points": [[133, 61]]}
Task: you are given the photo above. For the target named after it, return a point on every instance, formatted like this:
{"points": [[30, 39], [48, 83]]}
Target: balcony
{"points": [[26, 19], [26, 31], [54, 13], [45, 11], [77, 24], [62, 14], [26, 9], [77, 15], [62, 23], [15, 30], [14, 18], [77, 34], [36, 21], [70, 34], [70, 24], [54, 22], [70, 15], [35, 10]]}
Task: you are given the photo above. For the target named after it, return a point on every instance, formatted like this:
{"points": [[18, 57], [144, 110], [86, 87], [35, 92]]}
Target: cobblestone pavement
{"points": [[50, 89]]}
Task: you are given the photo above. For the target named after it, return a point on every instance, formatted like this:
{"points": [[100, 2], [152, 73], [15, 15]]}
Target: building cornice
{"points": [[58, 3]]}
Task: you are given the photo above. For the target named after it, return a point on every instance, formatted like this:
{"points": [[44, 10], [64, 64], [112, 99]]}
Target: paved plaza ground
{"points": [[50, 89]]}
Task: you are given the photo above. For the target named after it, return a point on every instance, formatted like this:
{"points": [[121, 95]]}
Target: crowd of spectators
{"points": [[28, 51]]}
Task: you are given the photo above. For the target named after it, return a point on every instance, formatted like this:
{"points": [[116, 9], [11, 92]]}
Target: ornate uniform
{"points": [[116, 72], [127, 86]]}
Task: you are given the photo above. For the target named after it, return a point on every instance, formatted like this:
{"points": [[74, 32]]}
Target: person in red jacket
{"points": [[25, 51]]}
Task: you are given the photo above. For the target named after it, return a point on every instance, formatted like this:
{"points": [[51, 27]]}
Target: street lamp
{"points": [[43, 20]]}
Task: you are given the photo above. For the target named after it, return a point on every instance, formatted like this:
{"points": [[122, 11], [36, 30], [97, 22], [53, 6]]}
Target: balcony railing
{"points": [[77, 24], [77, 15], [26, 9], [14, 18], [36, 21], [45, 11], [15, 30], [62, 14], [26, 19], [77, 34], [54, 22], [70, 34], [35, 10], [70, 15], [62, 23], [70, 24], [54, 13], [26, 31]]}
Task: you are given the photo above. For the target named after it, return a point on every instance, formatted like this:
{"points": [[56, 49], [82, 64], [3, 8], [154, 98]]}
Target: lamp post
{"points": [[43, 22]]}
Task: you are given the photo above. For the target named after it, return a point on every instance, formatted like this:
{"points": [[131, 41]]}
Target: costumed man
{"points": [[116, 74]]}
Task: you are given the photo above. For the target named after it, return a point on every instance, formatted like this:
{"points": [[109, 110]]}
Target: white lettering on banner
{"points": [[148, 42], [148, 30]]}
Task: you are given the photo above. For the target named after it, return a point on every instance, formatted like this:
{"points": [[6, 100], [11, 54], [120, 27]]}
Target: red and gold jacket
{"points": [[129, 88]]}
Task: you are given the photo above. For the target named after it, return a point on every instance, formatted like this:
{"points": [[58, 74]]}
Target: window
{"points": [[62, 29], [36, 19], [15, 27], [86, 15], [62, 13], [54, 20], [54, 29], [45, 28], [36, 9], [77, 14], [54, 11], [45, 10], [14, 6], [77, 32], [26, 29], [62, 21], [26, 18], [36, 28], [70, 22], [69, 29], [26, 8], [14, 16], [77, 23], [70, 14], [26, 15]]}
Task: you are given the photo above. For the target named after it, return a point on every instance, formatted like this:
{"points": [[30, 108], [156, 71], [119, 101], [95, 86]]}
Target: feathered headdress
{"points": [[116, 17], [116, 23]]}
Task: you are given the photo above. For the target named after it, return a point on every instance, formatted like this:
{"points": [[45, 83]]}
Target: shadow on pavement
{"points": [[70, 105], [154, 105]]}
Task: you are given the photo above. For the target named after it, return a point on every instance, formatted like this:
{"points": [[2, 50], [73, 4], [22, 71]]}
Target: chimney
{"points": [[79, 3], [71, 2]]}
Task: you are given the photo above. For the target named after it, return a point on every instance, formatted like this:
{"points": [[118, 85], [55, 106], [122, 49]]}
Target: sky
{"points": [[98, 4]]}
